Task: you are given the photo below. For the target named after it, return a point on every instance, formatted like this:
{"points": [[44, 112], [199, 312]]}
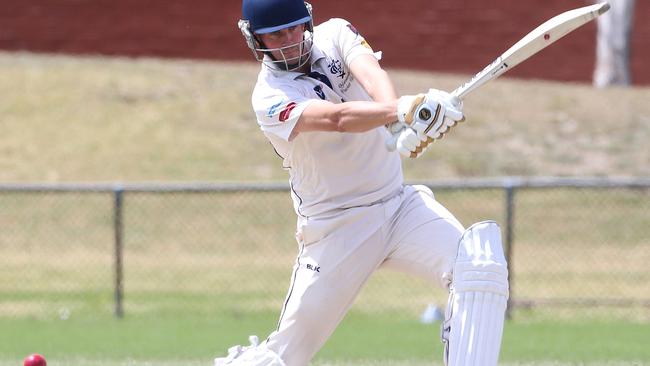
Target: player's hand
{"points": [[405, 140], [409, 144], [431, 115]]}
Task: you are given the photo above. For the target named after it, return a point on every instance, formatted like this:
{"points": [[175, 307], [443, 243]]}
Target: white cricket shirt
{"points": [[329, 171]]}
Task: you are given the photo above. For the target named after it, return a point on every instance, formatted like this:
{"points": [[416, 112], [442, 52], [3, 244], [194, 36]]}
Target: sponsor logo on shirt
{"points": [[345, 85], [313, 267], [365, 44], [273, 109], [286, 112]]}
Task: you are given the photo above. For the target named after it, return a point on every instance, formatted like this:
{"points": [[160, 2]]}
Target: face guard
{"points": [[281, 60]]}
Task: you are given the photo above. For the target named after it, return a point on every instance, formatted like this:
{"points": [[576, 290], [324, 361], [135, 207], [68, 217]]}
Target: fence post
{"points": [[117, 223], [510, 212]]}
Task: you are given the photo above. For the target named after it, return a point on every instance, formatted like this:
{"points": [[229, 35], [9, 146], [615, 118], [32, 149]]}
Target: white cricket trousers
{"points": [[410, 232]]}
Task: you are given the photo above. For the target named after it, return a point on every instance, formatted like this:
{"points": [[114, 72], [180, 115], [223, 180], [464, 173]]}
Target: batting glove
{"points": [[409, 144], [430, 115]]}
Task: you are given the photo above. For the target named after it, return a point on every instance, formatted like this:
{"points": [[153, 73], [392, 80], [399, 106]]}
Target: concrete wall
{"points": [[440, 35]]}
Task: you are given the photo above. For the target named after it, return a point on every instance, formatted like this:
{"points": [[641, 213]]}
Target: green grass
{"points": [[361, 338], [118, 119]]}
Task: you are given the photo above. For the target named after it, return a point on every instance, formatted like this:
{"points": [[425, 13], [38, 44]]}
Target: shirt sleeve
{"points": [[351, 43], [278, 109]]}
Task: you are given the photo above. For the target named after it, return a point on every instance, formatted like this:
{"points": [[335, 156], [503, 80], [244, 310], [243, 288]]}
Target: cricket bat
{"points": [[535, 41]]}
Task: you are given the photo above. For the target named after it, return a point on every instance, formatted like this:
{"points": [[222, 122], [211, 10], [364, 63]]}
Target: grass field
{"points": [[189, 340], [147, 119], [111, 119]]}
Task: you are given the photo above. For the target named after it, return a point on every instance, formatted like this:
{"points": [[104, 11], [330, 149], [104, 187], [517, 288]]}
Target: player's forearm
{"points": [[363, 116], [355, 116]]}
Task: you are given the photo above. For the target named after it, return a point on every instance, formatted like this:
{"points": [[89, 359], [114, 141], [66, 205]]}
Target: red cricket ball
{"points": [[547, 36], [35, 360]]}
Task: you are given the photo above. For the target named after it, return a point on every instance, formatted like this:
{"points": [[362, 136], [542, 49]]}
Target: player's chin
{"points": [[295, 62], [293, 57], [293, 53]]}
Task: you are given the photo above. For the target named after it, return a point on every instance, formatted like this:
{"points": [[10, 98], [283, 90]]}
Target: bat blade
{"points": [[535, 41]]}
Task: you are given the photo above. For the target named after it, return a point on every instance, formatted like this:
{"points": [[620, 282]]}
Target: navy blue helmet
{"points": [[266, 16]]}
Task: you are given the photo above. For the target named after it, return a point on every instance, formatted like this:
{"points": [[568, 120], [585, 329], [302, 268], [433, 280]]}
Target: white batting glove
{"points": [[409, 144], [431, 115]]}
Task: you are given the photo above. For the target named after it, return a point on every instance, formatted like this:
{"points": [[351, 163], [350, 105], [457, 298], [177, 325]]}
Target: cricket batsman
{"points": [[327, 107]]}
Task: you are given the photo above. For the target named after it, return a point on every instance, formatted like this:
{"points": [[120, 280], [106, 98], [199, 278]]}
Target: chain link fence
{"points": [[577, 247]]}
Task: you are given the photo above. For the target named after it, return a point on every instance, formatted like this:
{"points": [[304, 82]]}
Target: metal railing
{"points": [[510, 187]]}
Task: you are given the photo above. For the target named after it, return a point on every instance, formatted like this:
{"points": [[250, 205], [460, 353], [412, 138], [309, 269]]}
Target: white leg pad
{"points": [[254, 355], [478, 298]]}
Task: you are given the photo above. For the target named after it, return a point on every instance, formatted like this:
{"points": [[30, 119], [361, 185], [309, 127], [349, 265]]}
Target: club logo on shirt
{"points": [[286, 112], [336, 68], [364, 43], [319, 91], [353, 29]]}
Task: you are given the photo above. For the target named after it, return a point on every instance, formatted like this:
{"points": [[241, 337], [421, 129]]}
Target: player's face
{"points": [[285, 43]]}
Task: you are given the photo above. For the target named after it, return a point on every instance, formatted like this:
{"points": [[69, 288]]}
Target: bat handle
{"points": [[460, 92]]}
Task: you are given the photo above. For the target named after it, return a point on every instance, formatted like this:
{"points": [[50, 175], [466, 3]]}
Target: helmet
{"points": [[266, 16]]}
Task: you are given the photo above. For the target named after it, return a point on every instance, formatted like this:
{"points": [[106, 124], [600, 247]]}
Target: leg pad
{"points": [[478, 298]]}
